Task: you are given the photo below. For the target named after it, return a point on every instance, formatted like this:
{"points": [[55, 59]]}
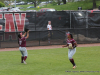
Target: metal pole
{"points": [[15, 3], [39, 38], [0, 44], [10, 4], [86, 19], [35, 20], [46, 3], [70, 19]]}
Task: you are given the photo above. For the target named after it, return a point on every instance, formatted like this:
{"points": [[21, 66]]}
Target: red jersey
{"points": [[22, 42], [72, 41]]}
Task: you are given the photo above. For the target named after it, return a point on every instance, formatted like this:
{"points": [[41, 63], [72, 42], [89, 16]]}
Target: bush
{"points": [[2, 4]]}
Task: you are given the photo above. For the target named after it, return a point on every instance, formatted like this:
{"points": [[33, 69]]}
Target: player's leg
{"points": [[49, 40], [49, 37], [25, 55], [70, 55], [51, 34], [22, 57]]}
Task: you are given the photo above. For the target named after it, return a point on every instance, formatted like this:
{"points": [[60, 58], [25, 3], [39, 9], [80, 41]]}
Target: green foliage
{"points": [[54, 3], [24, 6], [2, 4], [88, 4], [51, 62]]}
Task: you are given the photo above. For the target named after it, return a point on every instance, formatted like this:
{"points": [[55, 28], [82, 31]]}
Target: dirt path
{"points": [[48, 47]]}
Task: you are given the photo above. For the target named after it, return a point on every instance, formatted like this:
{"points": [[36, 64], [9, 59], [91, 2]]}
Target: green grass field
{"points": [[51, 62], [69, 6]]}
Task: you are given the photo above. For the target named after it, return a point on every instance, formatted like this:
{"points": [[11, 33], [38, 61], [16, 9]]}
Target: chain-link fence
{"points": [[82, 24]]}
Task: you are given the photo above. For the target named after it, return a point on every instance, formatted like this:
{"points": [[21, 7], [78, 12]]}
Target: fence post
{"points": [[35, 21], [87, 32], [39, 38], [77, 35], [86, 19], [70, 19]]}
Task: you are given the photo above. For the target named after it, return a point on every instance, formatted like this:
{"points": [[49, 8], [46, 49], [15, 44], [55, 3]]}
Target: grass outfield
{"points": [[51, 62]]}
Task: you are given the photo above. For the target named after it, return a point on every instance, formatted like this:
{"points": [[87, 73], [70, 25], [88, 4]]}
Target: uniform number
{"points": [[20, 42]]}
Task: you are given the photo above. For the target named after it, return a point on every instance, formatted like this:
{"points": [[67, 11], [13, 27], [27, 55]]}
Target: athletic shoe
{"points": [[24, 62], [74, 67]]}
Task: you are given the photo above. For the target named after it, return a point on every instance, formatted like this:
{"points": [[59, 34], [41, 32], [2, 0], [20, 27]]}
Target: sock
{"points": [[72, 61], [25, 58], [22, 58]]}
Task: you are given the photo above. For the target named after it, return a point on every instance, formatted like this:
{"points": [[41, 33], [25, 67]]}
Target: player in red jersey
{"points": [[72, 50], [22, 46]]}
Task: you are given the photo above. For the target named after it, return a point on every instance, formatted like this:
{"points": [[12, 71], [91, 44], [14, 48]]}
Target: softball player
{"points": [[71, 44], [22, 46], [49, 28]]}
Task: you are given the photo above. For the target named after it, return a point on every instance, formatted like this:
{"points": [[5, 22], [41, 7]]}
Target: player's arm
{"points": [[75, 44], [48, 28], [64, 46], [27, 34], [24, 34]]}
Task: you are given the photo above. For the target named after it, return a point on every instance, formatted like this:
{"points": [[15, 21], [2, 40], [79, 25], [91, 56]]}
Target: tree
{"points": [[34, 1], [2, 4], [2, 1], [64, 1], [94, 3], [58, 2]]}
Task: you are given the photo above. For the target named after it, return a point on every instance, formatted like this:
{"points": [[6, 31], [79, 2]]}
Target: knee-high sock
{"points": [[72, 61], [25, 58], [22, 58]]}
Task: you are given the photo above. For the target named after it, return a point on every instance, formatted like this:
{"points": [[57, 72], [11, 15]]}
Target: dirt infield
{"points": [[48, 47]]}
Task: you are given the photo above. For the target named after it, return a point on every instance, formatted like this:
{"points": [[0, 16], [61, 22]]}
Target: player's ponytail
{"points": [[71, 36], [18, 40], [18, 37]]}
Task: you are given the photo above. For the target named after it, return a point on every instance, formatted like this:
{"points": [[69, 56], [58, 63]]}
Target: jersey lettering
{"points": [[20, 42], [20, 21], [9, 23]]}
